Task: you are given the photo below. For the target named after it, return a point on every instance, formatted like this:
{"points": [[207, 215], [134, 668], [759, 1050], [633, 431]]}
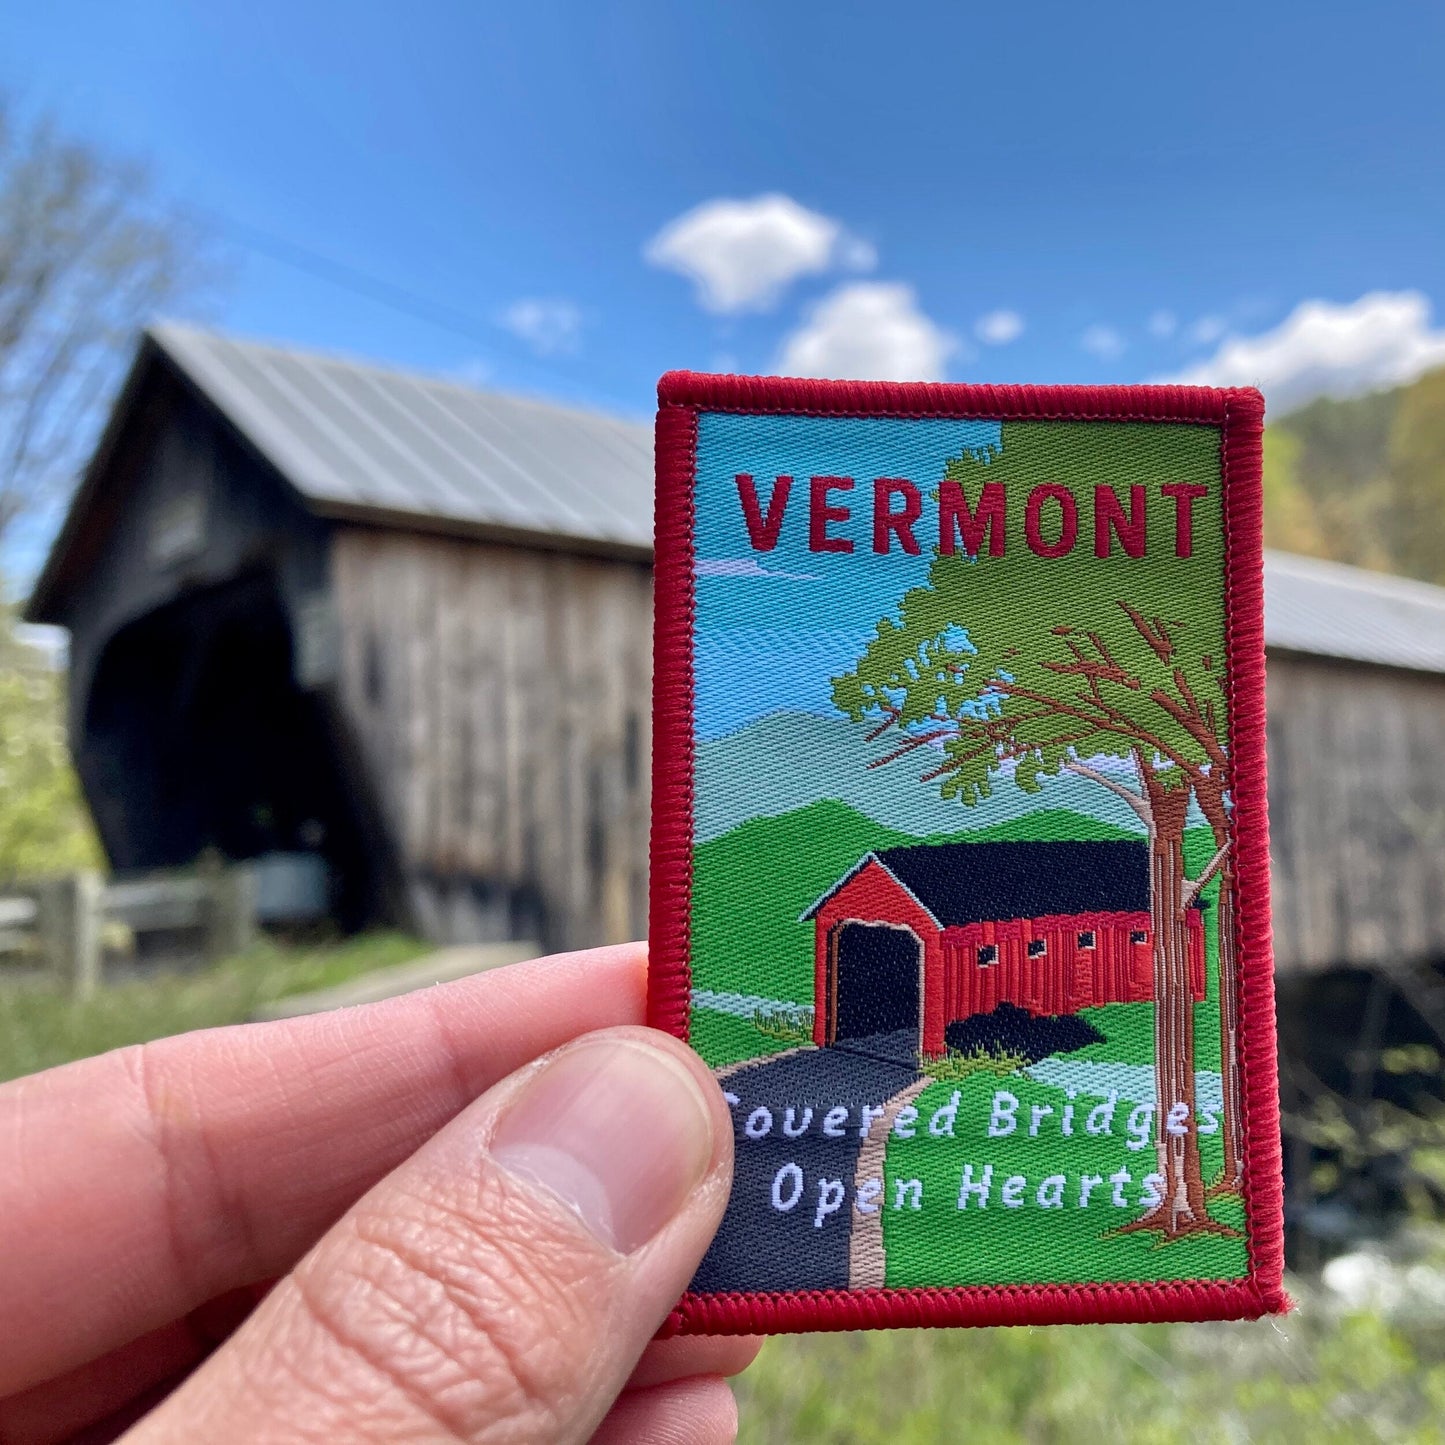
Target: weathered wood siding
{"points": [[501, 698], [1357, 813]]}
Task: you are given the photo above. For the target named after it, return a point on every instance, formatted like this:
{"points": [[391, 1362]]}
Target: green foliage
{"points": [[41, 1027], [44, 825], [1362, 481], [1414, 526], [788, 1026], [957, 1065], [1319, 1375], [1037, 663], [1290, 520], [1339, 454]]}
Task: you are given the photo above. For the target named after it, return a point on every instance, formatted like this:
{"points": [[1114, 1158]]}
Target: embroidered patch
{"points": [[960, 862]]}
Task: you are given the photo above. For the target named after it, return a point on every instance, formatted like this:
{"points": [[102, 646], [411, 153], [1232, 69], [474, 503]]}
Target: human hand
{"points": [[467, 1245]]}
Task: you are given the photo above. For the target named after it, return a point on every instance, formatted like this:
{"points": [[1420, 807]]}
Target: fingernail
{"points": [[617, 1130]]}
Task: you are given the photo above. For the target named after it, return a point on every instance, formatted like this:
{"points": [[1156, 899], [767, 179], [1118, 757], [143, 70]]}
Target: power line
{"points": [[351, 278], [387, 293]]}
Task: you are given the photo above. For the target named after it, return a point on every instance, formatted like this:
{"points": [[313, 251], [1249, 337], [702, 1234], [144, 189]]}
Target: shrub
{"points": [[954, 1067], [790, 1025]]}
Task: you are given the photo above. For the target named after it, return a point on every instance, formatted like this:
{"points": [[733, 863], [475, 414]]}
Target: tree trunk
{"points": [[1231, 1178], [1182, 1208]]}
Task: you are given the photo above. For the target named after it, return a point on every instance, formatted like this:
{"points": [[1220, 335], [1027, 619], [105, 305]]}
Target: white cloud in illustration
{"points": [[868, 331], [549, 327], [998, 328], [1103, 342], [743, 254], [744, 567], [1323, 348]]}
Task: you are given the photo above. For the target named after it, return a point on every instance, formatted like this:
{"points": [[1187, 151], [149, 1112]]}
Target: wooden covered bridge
{"points": [[400, 627], [393, 627]]}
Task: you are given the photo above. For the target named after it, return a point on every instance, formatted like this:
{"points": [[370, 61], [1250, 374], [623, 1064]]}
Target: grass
{"points": [[957, 1065], [784, 1024], [40, 1026], [750, 885], [941, 1244], [724, 1039], [1321, 1375]]}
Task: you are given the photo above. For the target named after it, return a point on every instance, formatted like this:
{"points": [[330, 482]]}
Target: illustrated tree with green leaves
{"points": [[1005, 666]]}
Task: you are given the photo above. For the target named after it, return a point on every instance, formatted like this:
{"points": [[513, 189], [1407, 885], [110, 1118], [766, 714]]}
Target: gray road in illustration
{"points": [[759, 1247]]}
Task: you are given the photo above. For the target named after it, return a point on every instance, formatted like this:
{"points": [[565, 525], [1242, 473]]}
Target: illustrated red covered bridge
{"points": [[912, 938]]}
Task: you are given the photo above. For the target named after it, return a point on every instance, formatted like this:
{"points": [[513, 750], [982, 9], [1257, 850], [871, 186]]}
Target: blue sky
{"points": [[752, 657], [994, 193]]}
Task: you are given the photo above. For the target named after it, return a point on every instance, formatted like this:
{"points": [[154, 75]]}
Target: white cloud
{"points": [[550, 328], [1326, 349], [1103, 342], [1207, 330], [744, 254], [1163, 324], [868, 331], [744, 567], [998, 328]]}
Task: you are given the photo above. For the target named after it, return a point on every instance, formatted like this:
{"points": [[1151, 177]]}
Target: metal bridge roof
{"points": [[1330, 610], [352, 437]]}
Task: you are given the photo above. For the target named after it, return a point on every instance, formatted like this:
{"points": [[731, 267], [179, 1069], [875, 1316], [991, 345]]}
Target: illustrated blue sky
{"points": [[774, 627], [568, 199]]}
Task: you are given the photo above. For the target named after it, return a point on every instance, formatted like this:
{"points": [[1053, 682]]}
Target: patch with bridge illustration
{"points": [[960, 866]]}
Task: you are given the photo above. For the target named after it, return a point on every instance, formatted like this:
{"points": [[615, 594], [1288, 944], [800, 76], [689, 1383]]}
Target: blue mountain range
{"points": [[789, 759]]}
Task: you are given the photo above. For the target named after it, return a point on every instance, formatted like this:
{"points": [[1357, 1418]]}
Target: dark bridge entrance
{"points": [[876, 984], [197, 736]]}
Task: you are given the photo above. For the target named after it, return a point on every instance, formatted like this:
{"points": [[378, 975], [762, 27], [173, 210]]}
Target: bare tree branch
{"points": [[1197, 885], [1138, 803], [86, 259]]}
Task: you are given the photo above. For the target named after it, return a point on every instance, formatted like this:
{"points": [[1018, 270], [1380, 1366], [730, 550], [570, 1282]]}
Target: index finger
{"points": [[147, 1181]]}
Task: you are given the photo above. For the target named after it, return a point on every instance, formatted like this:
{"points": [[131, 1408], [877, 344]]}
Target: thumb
{"points": [[499, 1285]]}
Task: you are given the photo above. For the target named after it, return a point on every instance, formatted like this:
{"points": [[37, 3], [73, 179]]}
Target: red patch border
{"points": [[1238, 413]]}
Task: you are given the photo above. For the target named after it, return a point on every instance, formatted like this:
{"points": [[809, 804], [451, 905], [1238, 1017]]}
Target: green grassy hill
{"points": [[750, 885]]}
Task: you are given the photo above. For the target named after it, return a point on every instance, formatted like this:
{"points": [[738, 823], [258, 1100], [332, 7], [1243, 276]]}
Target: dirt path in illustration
{"points": [[867, 1264], [760, 1247]]}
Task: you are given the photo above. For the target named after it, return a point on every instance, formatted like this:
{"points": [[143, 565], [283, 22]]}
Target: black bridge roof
{"points": [[961, 883]]}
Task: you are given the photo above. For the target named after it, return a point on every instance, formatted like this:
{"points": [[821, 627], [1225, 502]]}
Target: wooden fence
{"points": [[60, 922]]}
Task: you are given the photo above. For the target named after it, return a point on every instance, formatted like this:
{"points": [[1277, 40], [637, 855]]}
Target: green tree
{"points": [[1008, 666], [1327, 486], [1290, 519], [44, 826], [1414, 521]]}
